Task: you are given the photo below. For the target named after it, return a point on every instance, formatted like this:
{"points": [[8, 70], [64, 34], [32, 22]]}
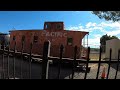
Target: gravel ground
{"points": [[65, 72], [93, 72]]}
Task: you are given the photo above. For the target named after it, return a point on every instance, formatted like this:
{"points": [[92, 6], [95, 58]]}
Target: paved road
{"points": [[53, 70]]}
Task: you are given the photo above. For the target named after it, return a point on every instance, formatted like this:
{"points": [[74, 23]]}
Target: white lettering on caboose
{"points": [[54, 34]]}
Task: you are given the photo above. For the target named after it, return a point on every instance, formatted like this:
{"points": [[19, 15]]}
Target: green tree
{"points": [[114, 37], [108, 15], [103, 40]]}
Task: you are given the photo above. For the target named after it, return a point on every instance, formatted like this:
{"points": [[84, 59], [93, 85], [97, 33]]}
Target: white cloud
{"points": [[90, 24], [94, 42], [103, 27], [74, 28], [97, 36], [109, 28], [113, 33], [110, 24]]}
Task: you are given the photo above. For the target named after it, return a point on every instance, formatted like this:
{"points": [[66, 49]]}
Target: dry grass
{"points": [[95, 56]]}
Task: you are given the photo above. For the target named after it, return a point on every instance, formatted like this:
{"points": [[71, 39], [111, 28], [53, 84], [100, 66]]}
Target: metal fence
{"points": [[45, 58]]}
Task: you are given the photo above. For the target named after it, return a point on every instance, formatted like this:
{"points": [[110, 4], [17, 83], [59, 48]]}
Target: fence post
{"points": [[59, 62], [73, 68], [88, 53], [99, 62], [109, 63], [46, 52], [14, 61], [0, 45], [117, 64], [3, 73], [30, 60], [8, 58], [21, 60]]}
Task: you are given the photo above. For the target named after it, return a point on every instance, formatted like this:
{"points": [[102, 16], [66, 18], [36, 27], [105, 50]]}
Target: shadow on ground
{"points": [[115, 66], [36, 69]]}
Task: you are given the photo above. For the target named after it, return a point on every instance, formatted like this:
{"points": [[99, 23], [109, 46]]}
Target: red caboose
{"points": [[55, 33]]}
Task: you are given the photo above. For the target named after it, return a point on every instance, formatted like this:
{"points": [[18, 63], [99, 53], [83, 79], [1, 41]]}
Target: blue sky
{"points": [[73, 20]]}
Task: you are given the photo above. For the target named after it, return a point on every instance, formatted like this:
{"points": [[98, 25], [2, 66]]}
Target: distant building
{"points": [[4, 38], [114, 44], [55, 33]]}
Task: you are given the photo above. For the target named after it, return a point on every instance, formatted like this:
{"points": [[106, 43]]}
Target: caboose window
{"points": [[14, 37], [47, 26], [59, 26], [23, 38], [69, 41], [35, 39]]}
